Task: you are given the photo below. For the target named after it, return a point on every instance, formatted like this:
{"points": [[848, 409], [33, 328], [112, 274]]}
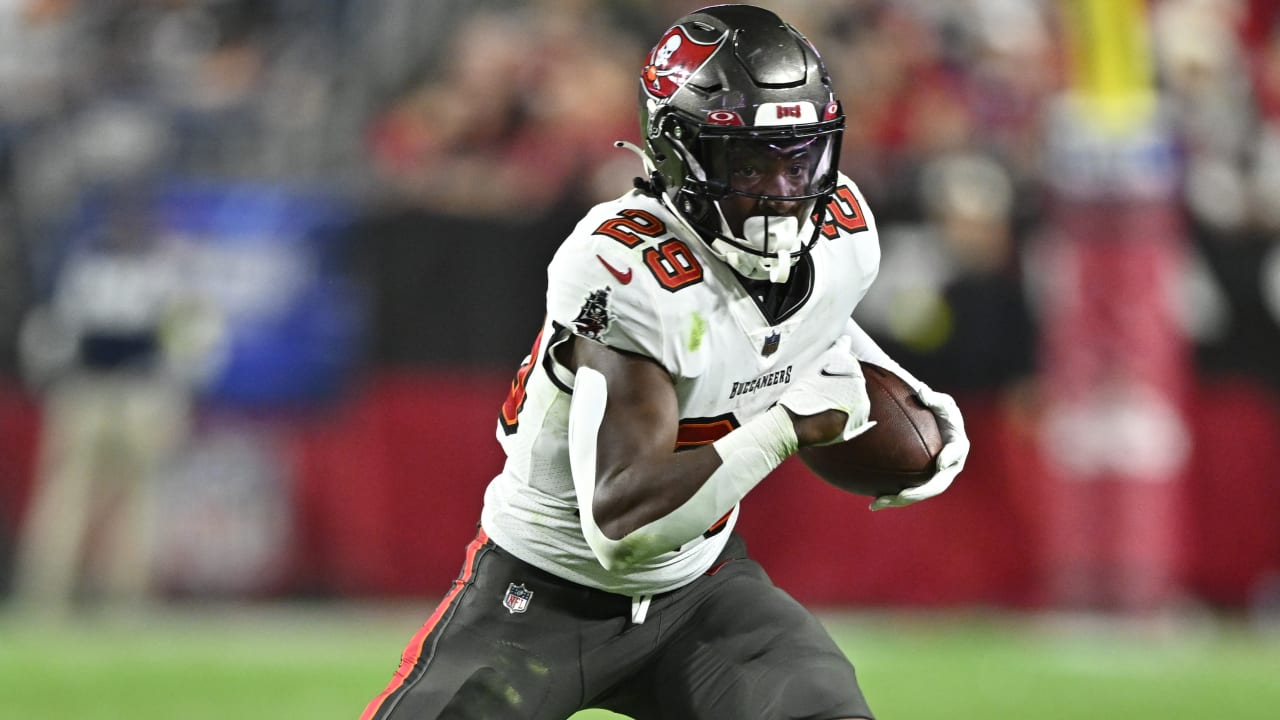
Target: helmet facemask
{"points": [[752, 193]]}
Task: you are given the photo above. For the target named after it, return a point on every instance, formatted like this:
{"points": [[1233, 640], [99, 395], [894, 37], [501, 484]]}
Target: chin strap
{"points": [[649, 168], [644, 159], [779, 273]]}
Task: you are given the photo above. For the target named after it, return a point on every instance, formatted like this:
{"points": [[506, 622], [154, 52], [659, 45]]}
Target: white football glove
{"points": [[955, 449], [837, 384]]}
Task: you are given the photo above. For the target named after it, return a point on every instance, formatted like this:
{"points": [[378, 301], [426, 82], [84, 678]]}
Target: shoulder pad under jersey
{"points": [[602, 283]]}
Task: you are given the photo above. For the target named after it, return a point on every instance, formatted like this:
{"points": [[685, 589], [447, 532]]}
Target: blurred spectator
{"points": [[1221, 92], [523, 109], [950, 300], [116, 350], [486, 163]]}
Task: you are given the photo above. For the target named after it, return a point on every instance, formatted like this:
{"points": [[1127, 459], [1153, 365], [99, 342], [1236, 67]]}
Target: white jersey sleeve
{"points": [[597, 289]]}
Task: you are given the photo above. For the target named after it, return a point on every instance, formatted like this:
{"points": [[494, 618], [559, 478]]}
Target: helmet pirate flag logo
{"points": [[674, 60]]}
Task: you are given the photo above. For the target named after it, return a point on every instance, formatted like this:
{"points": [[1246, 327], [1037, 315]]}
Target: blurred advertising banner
{"points": [[1116, 367]]}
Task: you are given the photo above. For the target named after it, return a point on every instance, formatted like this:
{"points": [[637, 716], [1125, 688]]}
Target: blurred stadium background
{"points": [[267, 268]]}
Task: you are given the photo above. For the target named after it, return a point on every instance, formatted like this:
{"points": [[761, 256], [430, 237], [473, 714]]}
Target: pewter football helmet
{"points": [[726, 85]]}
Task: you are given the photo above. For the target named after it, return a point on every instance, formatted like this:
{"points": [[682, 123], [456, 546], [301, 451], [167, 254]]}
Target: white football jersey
{"points": [[632, 276]]}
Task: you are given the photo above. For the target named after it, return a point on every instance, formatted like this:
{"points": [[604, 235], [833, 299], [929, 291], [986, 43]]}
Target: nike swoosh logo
{"points": [[623, 277], [823, 372]]}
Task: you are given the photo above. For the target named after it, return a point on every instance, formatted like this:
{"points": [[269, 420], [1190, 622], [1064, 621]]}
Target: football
{"points": [[900, 452]]}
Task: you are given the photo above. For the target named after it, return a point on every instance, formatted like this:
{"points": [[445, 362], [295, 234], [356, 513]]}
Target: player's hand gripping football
{"points": [[955, 449], [835, 383]]}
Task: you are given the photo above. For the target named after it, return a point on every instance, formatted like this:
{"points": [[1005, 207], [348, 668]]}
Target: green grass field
{"points": [[317, 663]]}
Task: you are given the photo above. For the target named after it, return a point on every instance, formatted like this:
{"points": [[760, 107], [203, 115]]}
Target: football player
{"points": [[697, 333]]}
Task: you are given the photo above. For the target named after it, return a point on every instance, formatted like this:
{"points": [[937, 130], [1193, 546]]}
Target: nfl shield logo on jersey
{"points": [[771, 344], [517, 598]]}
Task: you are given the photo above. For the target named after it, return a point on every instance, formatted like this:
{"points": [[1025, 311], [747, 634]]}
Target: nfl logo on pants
{"points": [[517, 598]]}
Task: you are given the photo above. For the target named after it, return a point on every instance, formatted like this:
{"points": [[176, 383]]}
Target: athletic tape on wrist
{"points": [[759, 446]]}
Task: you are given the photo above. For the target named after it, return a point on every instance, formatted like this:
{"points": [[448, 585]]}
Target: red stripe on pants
{"points": [[413, 651]]}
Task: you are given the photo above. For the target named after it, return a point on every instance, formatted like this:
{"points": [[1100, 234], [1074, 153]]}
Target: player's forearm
{"points": [[644, 519], [702, 484], [643, 491]]}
